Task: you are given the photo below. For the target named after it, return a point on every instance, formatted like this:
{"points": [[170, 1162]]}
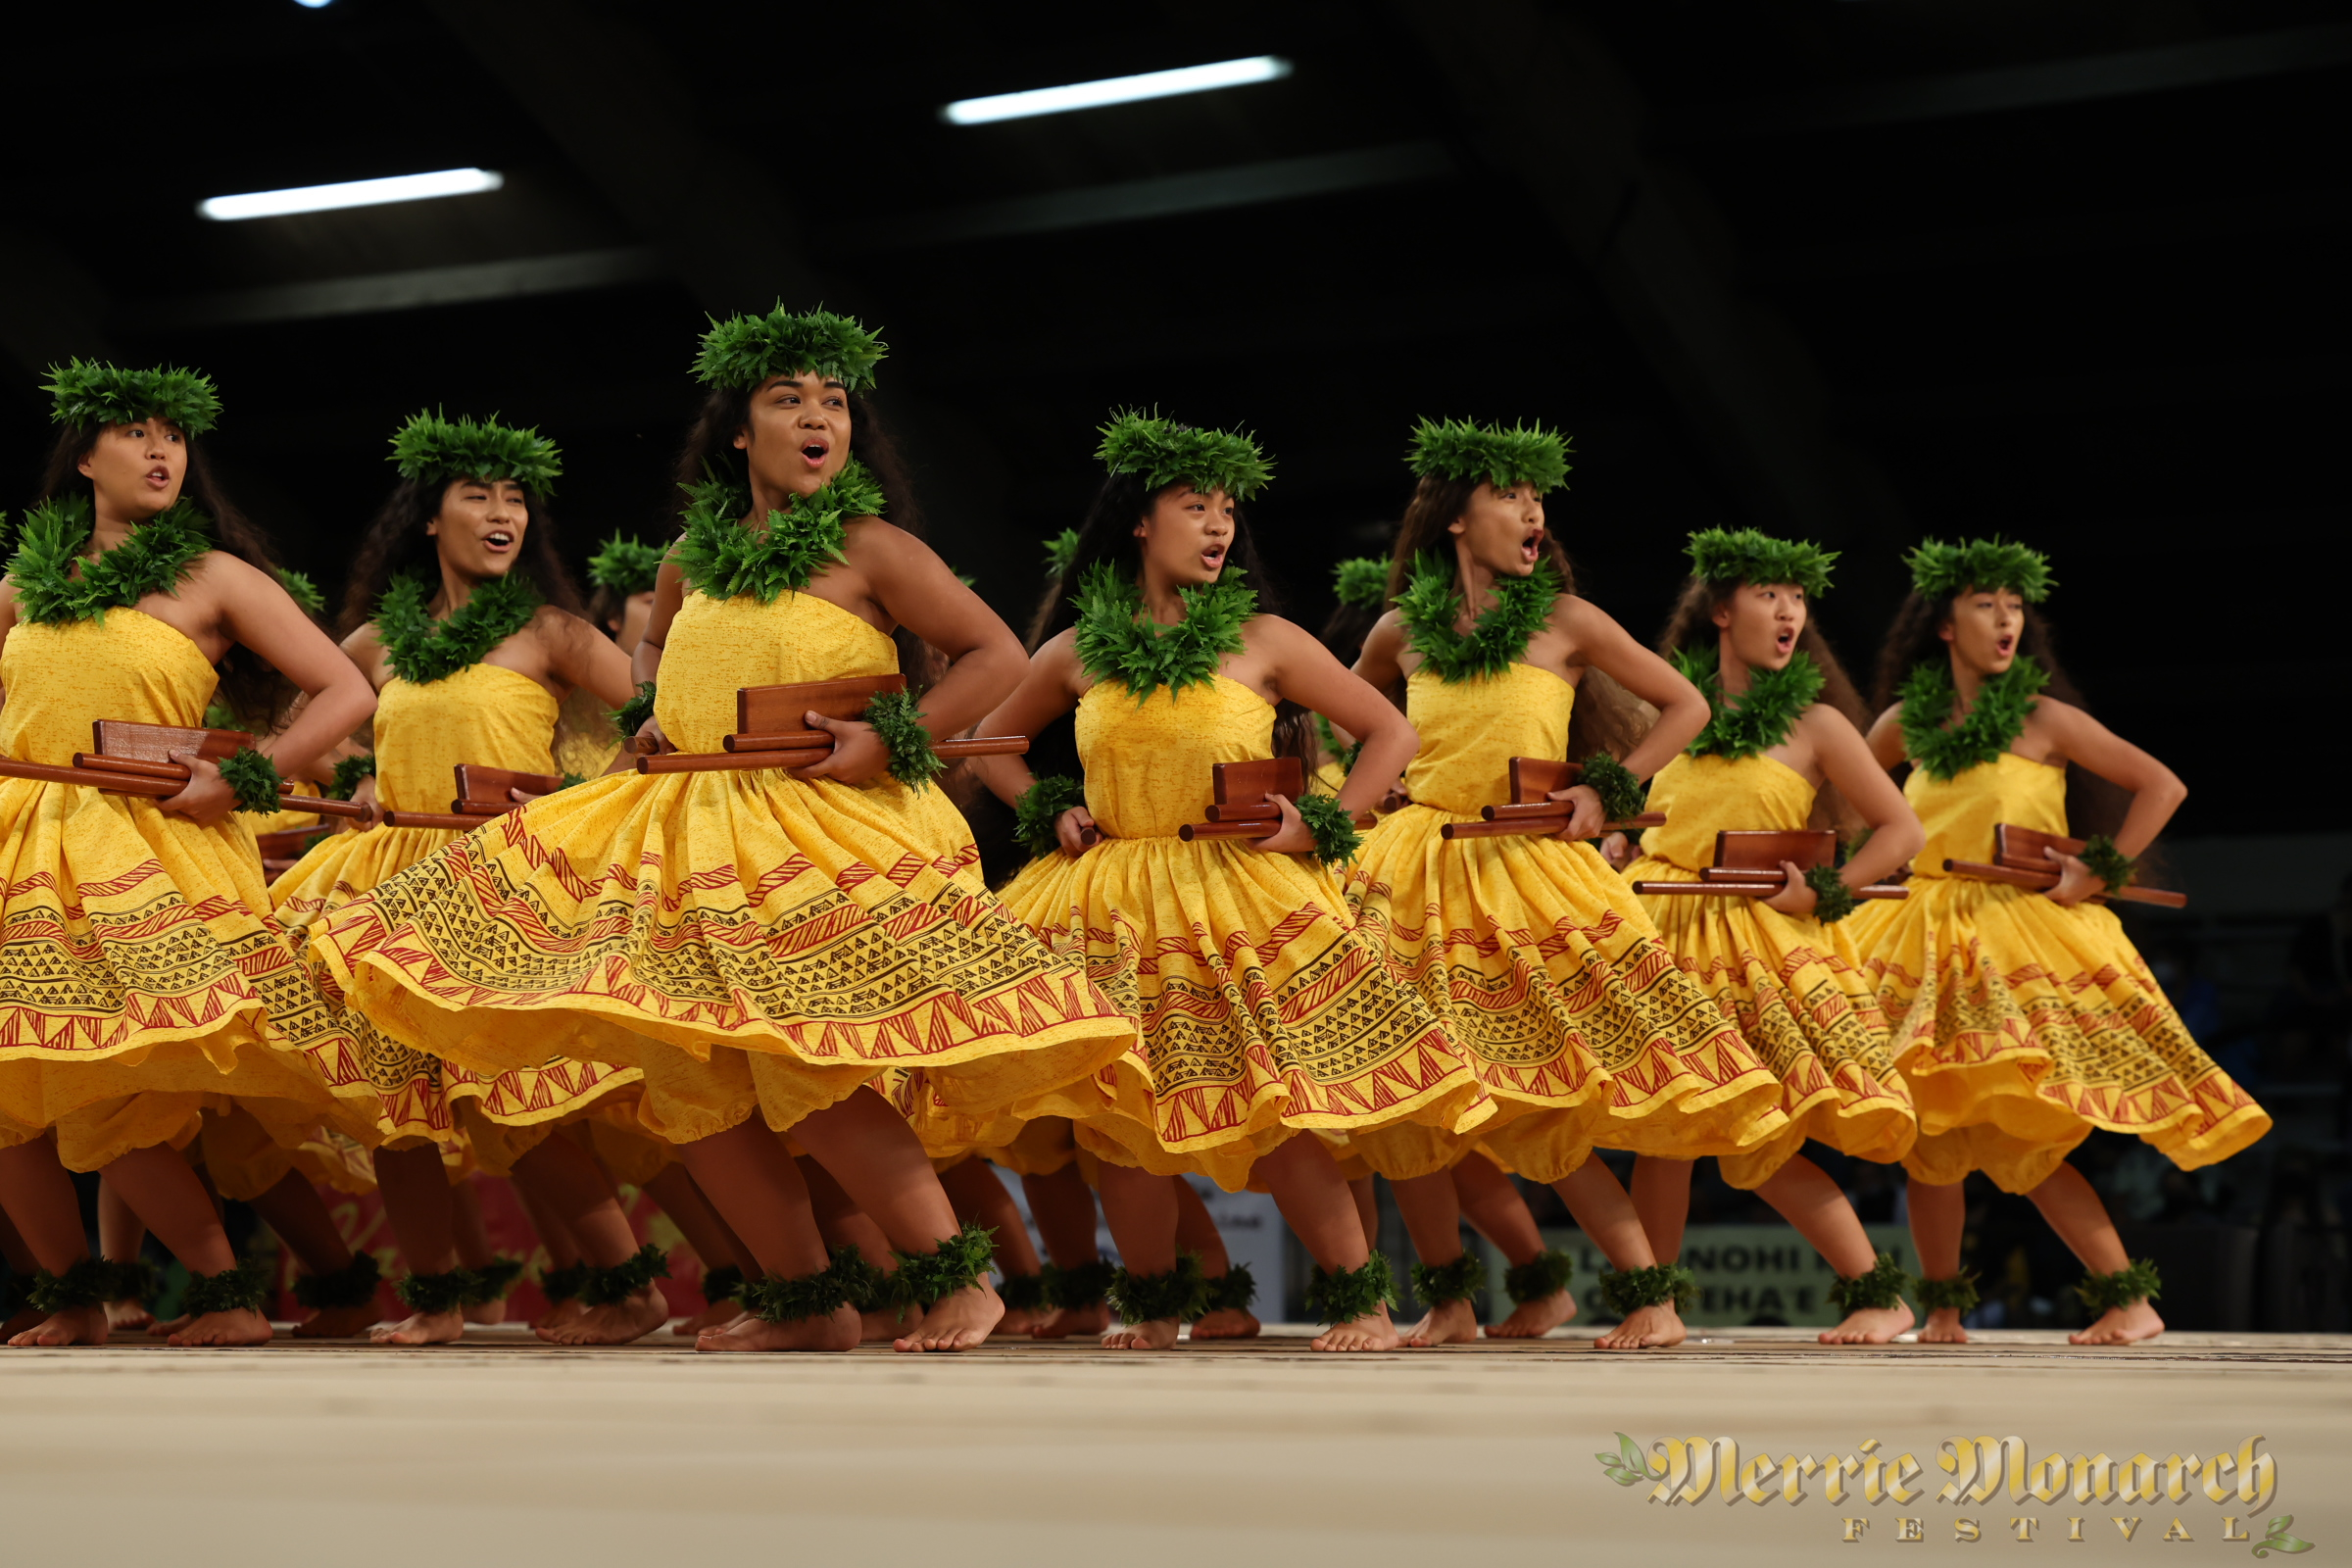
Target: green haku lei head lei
{"points": [[434, 449], [1727, 556], [625, 566], [1061, 553], [1521, 455], [742, 352], [1941, 573], [1361, 584], [1164, 452], [85, 393]]}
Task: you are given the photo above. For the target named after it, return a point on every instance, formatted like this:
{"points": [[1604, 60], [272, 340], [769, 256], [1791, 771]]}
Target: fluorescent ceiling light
{"points": [[1115, 90], [350, 193]]}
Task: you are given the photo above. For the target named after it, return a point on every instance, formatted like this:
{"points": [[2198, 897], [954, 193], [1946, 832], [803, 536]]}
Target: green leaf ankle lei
{"points": [[1496, 641], [1545, 1275], [494, 1279], [1023, 1293], [1988, 729], [564, 1283], [242, 1289], [603, 1287], [1880, 1286], [1955, 1295], [925, 1279], [2125, 1287], [1436, 1284], [722, 559], [1180, 1293], [1039, 808], [1115, 643], [256, 780], [722, 1284], [352, 1285], [1229, 1292], [152, 560], [1628, 1291], [1081, 1285], [434, 1294], [1758, 720], [1342, 1296], [89, 1282], [422, 649], [138, 1280]]}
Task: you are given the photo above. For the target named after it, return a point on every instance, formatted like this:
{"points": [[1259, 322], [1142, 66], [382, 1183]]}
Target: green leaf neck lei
{"points": [[1759, 719], [1496, 641], [151, 559], [1117, 642], [722, 559], [1991, 727], [422, 649]]}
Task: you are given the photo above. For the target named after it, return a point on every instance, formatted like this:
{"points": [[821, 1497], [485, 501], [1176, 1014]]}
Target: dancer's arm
{"points": [[1845, 761], [1301, 670], [2074, 736], [1049, 688], [579, 655], [1600, 642]]}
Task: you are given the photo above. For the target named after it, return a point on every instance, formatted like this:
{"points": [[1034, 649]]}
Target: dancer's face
{"points": [[1187, 535], [1984, 629], [136, 469], [478, 531], [1760, 622], [1502, 530], [798, 436]]}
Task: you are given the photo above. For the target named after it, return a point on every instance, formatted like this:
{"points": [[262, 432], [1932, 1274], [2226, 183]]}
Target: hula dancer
{"points": [[1783, 751], [142, 979], [761, 943], [1553, 989], [1264, 1016], [2025, 1019]]}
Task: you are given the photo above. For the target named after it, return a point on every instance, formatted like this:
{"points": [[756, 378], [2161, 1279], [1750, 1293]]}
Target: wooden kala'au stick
{"points": [[134, 758], [1748, 865], [1540, 822], [810, 756], [1533, 811], [1240, 808], [2020, 859], [464, 822], [1728, 888], [772, 731]]}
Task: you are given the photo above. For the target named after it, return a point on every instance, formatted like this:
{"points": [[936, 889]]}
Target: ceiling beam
{"points": [[2008, 88], [375, 293], [1559, 114]]}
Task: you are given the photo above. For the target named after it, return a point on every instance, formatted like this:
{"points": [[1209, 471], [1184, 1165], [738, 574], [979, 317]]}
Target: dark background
{"points": [[1858, 271]]}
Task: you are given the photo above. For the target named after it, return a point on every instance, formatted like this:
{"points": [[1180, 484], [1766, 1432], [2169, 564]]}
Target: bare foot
{"points": [[121, 1317], [557, 1316], [1448, 1323], [1159, 1334], [1646, 1328], [616, 1324], [166, 1327], [837, 1332], [487, 1313], [1532, 1320], [887, 1323], [1022, 1319], [242, 1325], [2121, 1325], [1092, 1318], [958, 1322], [73, 1325], [32, 1317], [1371, 1332], [336, 1322], [421, 1328], [717, 1315], [1226, 1323], [1944, 1328], [1870, 1325]]}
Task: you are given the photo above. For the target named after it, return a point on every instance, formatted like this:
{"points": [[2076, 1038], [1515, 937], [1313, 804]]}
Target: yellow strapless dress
{"points": [[482, 714], [1263, 1013], [143, 981], [1548, 978], [1795, 987], [749, 940], [2021, 1025]]}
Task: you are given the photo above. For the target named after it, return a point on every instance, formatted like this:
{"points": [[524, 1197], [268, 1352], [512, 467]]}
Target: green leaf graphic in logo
{"points": [[1629, 1468], [2279, 1540]]}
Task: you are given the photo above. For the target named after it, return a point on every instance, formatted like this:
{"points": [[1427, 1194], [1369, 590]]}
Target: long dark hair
{"points": [[1606, 716], [396, 545], [1691, 626], [249, 685], [2092, 803]]}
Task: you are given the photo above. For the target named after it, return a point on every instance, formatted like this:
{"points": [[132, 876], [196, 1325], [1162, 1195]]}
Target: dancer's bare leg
{"points": [[1661, 1194], [1064, 1206], [749, 1178], [1140, 1210], [21, 1265], [157, 1184], [567, 1181], [1367, 1208], [563, 1253], [1196, 1234], [1598, 1204], [2072, 1206], [1314, 1198], [1808, 1199], [1938, 1224], [842, 1223], [38, 1197], [673, 1187], [979, 1198], [474, 1250], [1497, 1212], [121, 1236], [294, 1209], [867, 1146], [414, 1188], [1433, 1218]]}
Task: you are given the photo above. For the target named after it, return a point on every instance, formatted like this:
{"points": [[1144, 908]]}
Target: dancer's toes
{"points": [[958, 1322], [243, 1325], [616, 1323], [1874, 1325], [121, 1317], [1944, 1328], [1159, 1334], [1226, 1323], [336, 1322], [487, 1313], [838, 1330], [1532, 1320], [2121, 1325], [1093, 1318], [717, 1315], [31, 1317], [71, 1325], [1448, 1323], [1371, 1332], [887, 1323], [1646, 1328], [558, 1315], [421, 1328]]}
